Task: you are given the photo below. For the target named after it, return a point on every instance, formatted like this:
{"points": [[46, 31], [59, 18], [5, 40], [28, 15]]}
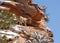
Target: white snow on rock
{"points": [[2, 31], [17, 28], [9, 34]]}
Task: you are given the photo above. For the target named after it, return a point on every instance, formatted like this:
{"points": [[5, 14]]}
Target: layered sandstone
{"points": [[32, 26]]}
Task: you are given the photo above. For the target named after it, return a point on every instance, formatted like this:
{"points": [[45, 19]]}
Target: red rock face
{"points": [[15, 8], [35, 26]]}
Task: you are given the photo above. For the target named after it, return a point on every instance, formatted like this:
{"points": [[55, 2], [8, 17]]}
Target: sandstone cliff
{"points": [[26, 25]]}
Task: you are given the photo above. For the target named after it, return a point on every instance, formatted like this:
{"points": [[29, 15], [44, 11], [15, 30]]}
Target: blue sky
{"points": [[53, 11]]}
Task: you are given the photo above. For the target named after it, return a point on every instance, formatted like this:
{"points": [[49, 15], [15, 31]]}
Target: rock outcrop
{"points": [[32, 26]]}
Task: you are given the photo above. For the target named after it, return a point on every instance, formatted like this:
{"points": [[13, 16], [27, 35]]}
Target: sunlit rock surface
{"points": [[27, 34], [21, 30], [31, 35]]}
